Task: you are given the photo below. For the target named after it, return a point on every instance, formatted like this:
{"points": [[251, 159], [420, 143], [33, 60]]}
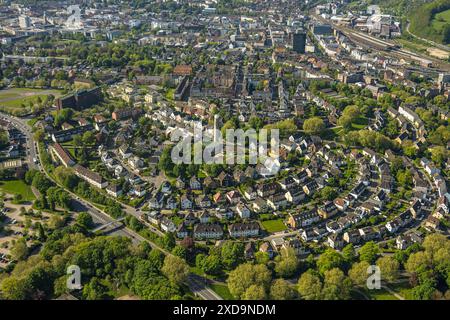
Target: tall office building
{"points": [[299, 42]]}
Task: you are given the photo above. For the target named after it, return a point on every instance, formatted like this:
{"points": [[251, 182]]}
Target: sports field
{"points": [[19, 100]]}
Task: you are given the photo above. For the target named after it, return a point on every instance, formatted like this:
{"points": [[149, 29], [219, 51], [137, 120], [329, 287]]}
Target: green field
{"points": [[17, 100], [222, 290], [274, 225], [430, 20], [360, 123], [18, 187], [440, 20], [381, 294]]}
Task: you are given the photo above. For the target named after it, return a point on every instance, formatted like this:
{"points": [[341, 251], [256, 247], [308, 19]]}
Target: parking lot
{"points": [[14, 227]]}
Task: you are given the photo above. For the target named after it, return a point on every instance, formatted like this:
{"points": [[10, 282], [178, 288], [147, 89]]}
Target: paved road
{"points": [[21, 124]]}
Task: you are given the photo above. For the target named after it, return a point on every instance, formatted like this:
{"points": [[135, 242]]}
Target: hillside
{"points": [[432, 21]]}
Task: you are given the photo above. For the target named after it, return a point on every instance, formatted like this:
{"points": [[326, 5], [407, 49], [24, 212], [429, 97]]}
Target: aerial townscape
{"points": [[92, 93]]}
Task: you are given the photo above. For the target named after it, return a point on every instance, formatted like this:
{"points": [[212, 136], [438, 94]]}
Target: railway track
{"points": [[389, 49]]}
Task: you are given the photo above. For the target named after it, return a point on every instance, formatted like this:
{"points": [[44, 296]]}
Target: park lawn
{"points": [[404, 289], [381, 294], [198, 271], [18, 187], [222, 290], [360, 123], [274, 225]]}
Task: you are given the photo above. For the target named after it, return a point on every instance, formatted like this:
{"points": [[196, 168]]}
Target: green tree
{"points": [[255, 292], [175, 269], [389, 268], [95, 290], [281, 290], [358, 273], [19, 251], [262, 257], [314, 125], [179, 251], [310, 286], [232, 254], [13, 289], [246, 275], [336, 286], [369, 252], [169, 241], [287, 264], [84, 220], [349, 254], [328, 260]]}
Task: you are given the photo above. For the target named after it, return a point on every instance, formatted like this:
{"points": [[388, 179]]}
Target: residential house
{"points": [[203, 201], [432, 224], [62, 155], [249, 251], [368, 233], [405, 241], [358, 190], [243, 210], [233, 197], [244, 230], [204, 217], [287, 183], [303, 219], [182, 231], [250, 193], [295, 245], [352, 236], [171, 203], [295, 195], [267, 248], [195, 184], [92, 178], [259, 205], [157, 201], [167, 225], [114, 190], [185, 202], [311, 187], [267, 189], [335, 241], [277, 201], [328, 210], [208, 231], [225, 180], [341, 204], [190, 219]]}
